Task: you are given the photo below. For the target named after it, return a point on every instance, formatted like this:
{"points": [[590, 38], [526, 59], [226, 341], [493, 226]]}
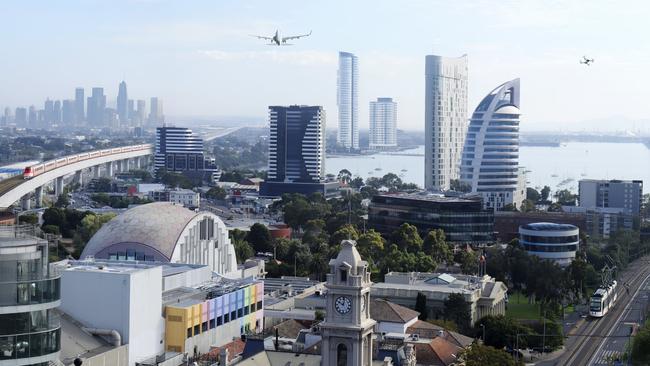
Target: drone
{"points": [[586, 60]]}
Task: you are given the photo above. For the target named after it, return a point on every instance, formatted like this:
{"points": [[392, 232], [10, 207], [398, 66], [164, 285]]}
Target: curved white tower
{"points": [[490, 162]]}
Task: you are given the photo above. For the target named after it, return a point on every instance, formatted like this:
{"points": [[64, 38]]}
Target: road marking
{"points": [[618, 320]]}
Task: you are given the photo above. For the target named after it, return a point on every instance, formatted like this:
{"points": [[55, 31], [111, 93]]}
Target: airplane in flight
{"points": [[276, 40], [586, 61]]}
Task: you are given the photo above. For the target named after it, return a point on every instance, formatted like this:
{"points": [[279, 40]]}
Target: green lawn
{"points": [[519, 308]]}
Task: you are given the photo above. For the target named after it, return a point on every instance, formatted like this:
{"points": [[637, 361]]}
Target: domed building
{"points": [[165, 232]]}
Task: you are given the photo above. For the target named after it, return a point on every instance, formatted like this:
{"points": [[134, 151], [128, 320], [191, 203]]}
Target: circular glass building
{"points": [[557, 242]]}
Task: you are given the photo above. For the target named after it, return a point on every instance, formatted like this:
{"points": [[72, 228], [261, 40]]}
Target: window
{"points": [[259, 305], [204, 326], [233, 315], [344, 275], [226, 318], [189, 332], [197, 329], [341, 355], [212, 323]]}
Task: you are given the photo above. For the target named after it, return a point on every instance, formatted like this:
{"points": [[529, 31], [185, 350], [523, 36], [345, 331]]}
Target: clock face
{"points": [[343, 304]]}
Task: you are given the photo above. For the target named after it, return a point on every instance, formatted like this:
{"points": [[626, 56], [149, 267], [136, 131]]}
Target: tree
{"points": [[260, 238], [176, 180], [54, 216], [421, 306], [51, 229], [345, 232], [460, 186], [407, 238], [641, 346], [102, 184], [501, 331], [29, 219], [370, 245], [456, 309], [357, 182], [545, 192], [480, 355], [243, 250], [436, 246], [527, 205], [509, 207], [92, 223], [468, 261], [345, 176], [216, 193], [532, 194], [566, 198], [63, 201]]}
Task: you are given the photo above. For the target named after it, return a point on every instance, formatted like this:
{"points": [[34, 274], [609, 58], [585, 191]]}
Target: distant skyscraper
{"points": [[347, 99], [57, 111], [490, 163], [48, 112], [122, 104], [68, 112], [156, 114], [445, 119], [21, 117], [296, 151], [142, 112], [6, 119], [130, 110], [383, 124], [179, 150], [80, 113], [96, 107], [32, 117]]}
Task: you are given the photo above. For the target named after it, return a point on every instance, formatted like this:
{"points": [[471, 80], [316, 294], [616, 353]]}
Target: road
{"points": [[596, 339]]}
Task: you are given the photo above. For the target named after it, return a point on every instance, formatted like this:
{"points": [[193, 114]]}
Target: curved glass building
{"points": [[547, 240], [30, 331], [490, 161]]}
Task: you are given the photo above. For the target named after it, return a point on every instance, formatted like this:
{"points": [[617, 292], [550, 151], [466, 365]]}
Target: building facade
{"points": [[490, 162], [383, 124], [96, 107], [624, 194], [296, 151], [556, 242], [179, 150], [30, 331], [79, 109], [347, 100], [165, 232], [445, 119], [485, 295], [463, 220], [156, 116]]}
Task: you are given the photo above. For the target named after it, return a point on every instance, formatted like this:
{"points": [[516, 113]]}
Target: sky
{"points": [[199, 57]]}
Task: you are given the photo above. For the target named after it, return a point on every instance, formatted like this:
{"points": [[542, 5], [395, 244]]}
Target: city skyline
{"points": [[548, 39]]}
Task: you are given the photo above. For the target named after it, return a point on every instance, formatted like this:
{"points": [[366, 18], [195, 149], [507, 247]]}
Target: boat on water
{"points": [[554, 175], [405, 170], [377, 169]]}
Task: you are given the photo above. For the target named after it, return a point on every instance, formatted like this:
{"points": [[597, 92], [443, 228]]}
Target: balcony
{"points": [[30, 292]]}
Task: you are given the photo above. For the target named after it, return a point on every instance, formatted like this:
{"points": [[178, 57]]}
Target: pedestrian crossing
{"points": [[606, 357]]}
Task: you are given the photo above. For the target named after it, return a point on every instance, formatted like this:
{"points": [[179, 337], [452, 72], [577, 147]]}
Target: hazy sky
{"points": [[198, 57]]}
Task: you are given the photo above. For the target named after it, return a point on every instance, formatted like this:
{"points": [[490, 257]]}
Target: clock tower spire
{"points": [[347, 329]]}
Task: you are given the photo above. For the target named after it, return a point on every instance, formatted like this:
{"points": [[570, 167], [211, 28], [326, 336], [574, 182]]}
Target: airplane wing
{"points": [[284, 39], [261, 37]]}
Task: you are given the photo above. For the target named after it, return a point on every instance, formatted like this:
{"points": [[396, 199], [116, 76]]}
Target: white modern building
{"points": [[185, 197], [347, 99], [445, 119], [166, 232], [383, 124], [556, 242], [490, 163], [160, 311]]}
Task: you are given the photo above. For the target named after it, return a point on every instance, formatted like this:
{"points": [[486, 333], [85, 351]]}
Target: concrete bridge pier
{"points": [[125, 165], [109, 169], [97, 171], [136, 162], [58, 186], [38, 197], [25, 202], [79, 177]]}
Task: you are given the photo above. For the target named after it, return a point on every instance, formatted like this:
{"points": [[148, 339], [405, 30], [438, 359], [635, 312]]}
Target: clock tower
{"points": [[347, 329]]}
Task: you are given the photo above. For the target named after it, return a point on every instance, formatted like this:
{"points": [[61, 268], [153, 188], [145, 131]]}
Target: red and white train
{"points": [[38, 169]]}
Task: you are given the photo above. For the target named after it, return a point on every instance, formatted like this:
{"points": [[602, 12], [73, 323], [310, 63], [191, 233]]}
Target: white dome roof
{"points": [[510, 109]]}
